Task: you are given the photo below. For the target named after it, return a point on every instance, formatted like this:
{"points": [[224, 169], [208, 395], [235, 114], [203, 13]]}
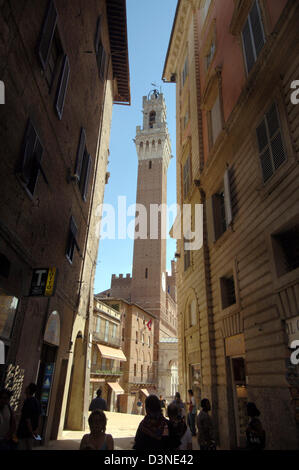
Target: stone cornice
{"points": [[177, 43]]}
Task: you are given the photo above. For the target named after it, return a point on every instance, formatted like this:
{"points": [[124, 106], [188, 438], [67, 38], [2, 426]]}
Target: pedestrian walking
{"points": [[163, 405], [7, 422], [192, 413], [97, 439], [177, 427], [139, 407], [98, 403], [255, 434], [179, 403], [29, 421], [153, 431], [206, 438]]}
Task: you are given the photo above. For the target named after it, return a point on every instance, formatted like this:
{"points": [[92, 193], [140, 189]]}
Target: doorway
{"points": [[238, 374], [45, 381]]}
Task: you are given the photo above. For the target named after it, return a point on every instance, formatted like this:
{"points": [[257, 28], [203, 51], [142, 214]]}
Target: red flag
{"points": [[149, 324]]}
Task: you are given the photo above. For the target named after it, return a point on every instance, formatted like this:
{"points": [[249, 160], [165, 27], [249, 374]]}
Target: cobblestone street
{"points": [[122, 427]]}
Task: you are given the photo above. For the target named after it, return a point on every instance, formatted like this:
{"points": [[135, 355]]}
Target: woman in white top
{"points": [[178, 430]]}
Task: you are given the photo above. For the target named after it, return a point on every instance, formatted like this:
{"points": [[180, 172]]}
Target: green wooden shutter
{"points": [[47, 34], [63, 82], [80, 153]]}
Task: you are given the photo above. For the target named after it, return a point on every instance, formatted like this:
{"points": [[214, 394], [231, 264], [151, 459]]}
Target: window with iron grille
{"points": [[286, 250], [228, 293], [253, 36], [187, 177], [270, 143]]}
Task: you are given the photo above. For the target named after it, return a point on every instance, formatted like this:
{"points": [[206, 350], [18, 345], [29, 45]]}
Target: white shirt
{"points": [[185, 440]]}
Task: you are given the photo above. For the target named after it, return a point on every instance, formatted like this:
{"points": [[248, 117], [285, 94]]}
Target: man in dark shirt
{"points": [[29, 421], [98, 403]]}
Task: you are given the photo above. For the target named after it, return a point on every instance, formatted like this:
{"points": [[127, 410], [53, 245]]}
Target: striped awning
{"points": [[111, 353]]}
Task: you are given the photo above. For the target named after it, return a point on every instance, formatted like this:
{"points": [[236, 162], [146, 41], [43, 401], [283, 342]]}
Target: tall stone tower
{"points": [[149, 279]]}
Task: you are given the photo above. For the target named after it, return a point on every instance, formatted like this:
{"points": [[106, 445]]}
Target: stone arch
{"points": [[75, 406], [191, 298], [152, 118]]}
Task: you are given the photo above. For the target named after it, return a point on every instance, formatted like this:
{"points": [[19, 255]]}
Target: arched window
{"points": [[141, 145], [152, 118]]}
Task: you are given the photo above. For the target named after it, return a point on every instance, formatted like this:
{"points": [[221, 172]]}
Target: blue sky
{"points": [[149, 29]]}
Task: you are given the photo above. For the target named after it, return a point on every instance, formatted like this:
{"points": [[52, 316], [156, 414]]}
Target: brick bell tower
{"points": [[149, 279]]}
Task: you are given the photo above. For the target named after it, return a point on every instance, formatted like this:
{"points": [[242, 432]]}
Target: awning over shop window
{"points": [[111, 353], [145, 391], [116, 387]]}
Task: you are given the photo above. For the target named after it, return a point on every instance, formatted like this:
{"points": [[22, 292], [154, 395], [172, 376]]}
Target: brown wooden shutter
{"points": [[47, 34], [63, 82], [248, 46], [210, 220], [87, 178], [276, 142], [98, 34], [80, 153], [257, 28], [227, 199], [29, 146]]}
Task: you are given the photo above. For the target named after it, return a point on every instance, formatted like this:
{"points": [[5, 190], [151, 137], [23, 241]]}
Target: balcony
{"points": [[98, 371], [143, 380], [104, 338]]}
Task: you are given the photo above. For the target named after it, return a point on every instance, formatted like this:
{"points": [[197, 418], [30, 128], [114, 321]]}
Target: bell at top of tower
{"points": [[154, 112]]}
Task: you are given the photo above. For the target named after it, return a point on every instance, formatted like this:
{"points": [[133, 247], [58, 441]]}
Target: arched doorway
{"points": [[47, 366], [174, 379], [75, 406]]}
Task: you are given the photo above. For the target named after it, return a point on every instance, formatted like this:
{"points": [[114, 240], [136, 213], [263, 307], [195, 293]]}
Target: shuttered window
{"points": [[270, 143], [228, 292], [215, 121], [47, 34], [72, 240], [253, 36], [63, 82], [30, 161], [187, 177], [185, 71], [219, 210], [83, 165], [100, 51]]}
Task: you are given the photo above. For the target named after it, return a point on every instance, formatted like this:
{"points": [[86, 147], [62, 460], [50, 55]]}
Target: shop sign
{"points": [[235, 345], [43, 282]]}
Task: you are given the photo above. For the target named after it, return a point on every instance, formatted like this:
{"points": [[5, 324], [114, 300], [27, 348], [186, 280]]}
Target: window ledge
{"points": [[234, 308], [280, 174], [286, 280], [223, 238]]}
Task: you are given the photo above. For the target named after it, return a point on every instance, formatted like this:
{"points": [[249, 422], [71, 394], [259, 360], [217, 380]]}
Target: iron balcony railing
{"points": [[99, 371], [143, 380]]}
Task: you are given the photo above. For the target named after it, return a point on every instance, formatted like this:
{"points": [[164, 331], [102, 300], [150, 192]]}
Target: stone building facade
{"points": [[138, 373], [234, 64], [61, 79], [106, 355]]}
